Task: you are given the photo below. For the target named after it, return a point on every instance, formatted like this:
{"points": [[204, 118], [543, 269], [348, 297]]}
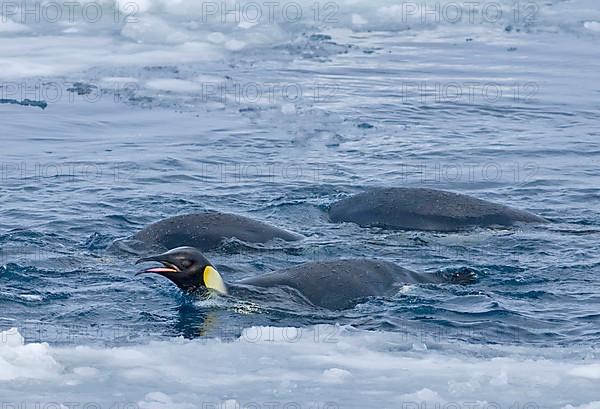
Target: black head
{"points": [[187, 268]]}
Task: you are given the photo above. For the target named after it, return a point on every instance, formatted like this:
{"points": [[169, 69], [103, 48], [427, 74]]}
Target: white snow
{"points": [[303, 366], [185, 31]]}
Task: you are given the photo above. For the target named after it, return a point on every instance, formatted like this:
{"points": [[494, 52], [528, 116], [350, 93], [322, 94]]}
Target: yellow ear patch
{"points": [[212, 279]]}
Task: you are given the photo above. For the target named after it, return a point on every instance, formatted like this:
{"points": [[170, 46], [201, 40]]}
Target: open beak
{"points": [[166, 268]]}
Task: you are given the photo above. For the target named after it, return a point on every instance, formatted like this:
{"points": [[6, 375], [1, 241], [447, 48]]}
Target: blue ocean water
{"points": [[278, 133], [151, 120]]}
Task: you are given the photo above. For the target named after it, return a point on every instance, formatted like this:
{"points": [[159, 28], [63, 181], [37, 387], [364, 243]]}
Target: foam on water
{"points": [[298, 365]]}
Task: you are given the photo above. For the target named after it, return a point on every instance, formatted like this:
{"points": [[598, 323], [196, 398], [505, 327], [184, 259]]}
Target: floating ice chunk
{"points": [[231, 404], [182, 374], [159, 397], [217, 37], [9, 26], [11, 338], [358, 20], [590, 405], [234, 45], [422, 396], [160, 400], [85, 371], [588, 371], [592, 25], [500, 380], [247, 24], [21, 361], [463, 388], [151, 29], [288, 109], [272, 334], [336, 375]]}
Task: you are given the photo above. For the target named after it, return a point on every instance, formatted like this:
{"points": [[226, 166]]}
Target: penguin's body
{"points": [[205, 231], [425, 209], [328, 284]]}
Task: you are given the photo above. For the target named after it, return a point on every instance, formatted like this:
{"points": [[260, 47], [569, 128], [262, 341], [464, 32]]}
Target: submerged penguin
{"points": [[425, 209], [329, 284], [205, 231]]}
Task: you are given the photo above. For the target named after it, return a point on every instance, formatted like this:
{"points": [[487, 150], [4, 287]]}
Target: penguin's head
{"points": [[188, 269]]}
